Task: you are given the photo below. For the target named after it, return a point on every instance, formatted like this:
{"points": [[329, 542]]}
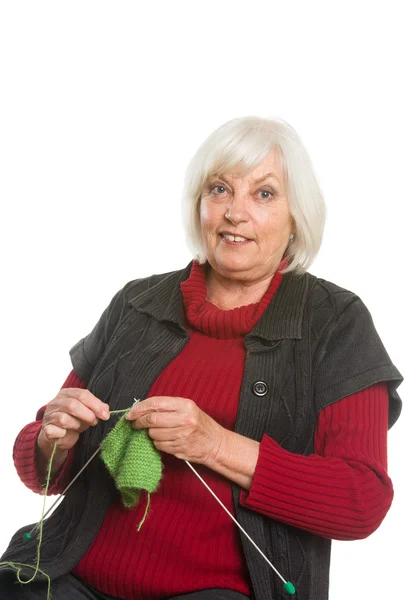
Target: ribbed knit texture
{"points": [[204, 316], [187, 542], [342, 491]]}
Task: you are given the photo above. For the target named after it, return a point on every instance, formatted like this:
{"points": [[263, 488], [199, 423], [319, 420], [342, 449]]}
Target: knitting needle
{"points": [[288, 585], [66, 490], [37, 525]]}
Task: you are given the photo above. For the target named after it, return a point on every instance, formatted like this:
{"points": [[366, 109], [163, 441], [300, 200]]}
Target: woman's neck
{"points": [[228, 293]]}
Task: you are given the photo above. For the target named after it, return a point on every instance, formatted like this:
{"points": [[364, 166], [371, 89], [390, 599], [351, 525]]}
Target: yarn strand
{"points": [[146, 510], [18, 566], [41, 522], [61, 496]]}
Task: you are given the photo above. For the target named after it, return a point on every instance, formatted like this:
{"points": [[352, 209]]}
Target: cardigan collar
{"points": [[206, 317], [282, 319]]}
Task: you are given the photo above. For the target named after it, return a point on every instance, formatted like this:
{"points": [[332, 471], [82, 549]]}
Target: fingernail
{"points": [[106, 414]]}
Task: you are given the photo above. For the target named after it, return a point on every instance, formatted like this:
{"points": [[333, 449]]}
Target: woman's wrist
{"points": [[236, 458]]}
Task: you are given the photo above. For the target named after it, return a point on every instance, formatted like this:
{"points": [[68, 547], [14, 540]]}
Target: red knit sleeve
{"points": [[25, 451], [342, 491]]}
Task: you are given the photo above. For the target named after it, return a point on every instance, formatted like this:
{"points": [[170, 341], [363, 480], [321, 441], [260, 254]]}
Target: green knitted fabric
{"points": [[132, 460]]}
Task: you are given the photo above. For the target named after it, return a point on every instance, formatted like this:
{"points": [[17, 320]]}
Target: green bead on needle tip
{"points": [[26, 537], [289, 587]]}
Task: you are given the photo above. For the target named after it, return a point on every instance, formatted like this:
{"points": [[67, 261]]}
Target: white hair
{"points": [[241, 144]]}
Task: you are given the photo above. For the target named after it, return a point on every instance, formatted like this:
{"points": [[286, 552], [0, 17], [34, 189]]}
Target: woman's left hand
{"points": [[177, 426]]}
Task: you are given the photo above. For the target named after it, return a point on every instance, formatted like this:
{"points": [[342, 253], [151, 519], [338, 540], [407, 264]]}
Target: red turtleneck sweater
{"points": [[187, 542]]}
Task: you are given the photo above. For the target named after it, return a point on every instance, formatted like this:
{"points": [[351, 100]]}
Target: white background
{"points": [[102, 106]]}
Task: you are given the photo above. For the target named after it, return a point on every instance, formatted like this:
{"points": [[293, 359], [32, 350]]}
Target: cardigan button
{"points": [[260, 388]]}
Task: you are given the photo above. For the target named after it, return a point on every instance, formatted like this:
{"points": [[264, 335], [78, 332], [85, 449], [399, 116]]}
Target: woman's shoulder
{"points": [[152, 284], [138, 292], [349, 353], [329, 288], [327, 293], [137, 286], [332, 307]]}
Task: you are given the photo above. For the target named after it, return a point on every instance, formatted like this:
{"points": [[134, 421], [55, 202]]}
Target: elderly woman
{"points": [[272, 381]]}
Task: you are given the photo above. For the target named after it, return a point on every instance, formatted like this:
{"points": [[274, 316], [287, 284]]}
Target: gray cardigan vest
{"points": [[314, 344]]}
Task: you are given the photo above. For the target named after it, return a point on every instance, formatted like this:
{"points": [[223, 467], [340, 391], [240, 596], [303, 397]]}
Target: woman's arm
{"points": [[342, 491], [31, 461]]}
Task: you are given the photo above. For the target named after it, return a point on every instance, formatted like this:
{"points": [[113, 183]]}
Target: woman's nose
{"points": [[237, 209]]}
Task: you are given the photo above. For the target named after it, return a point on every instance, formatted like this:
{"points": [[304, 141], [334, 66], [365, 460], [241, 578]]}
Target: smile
{"points": [[234, 239]]}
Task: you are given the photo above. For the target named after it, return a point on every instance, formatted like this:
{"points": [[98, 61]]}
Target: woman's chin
{"points": [[229, 265]]}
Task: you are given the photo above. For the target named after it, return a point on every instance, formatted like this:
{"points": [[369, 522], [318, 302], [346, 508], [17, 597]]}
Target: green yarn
{"points": [[146, 511], [27, 537], [18, 566], [132, 460]]}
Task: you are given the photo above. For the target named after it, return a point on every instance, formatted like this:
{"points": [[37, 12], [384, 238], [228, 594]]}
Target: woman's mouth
{"points": [[234, 240]]}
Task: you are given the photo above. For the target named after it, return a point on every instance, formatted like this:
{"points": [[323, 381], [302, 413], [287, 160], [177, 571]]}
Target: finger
{"points": [[158, 404], [167, 447], [68, 441], [73, 408], [85, 397], [67, 421], [76, 408], [162, 434], [65, 442], [162, 419], [52, 432]]}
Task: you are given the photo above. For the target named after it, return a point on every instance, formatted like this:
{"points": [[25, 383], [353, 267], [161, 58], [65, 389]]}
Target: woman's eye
{"points": [[221, 189], [215, 187], [266, 192]]}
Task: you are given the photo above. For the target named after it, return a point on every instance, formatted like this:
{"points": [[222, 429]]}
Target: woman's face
{"points": [[254, 207]]}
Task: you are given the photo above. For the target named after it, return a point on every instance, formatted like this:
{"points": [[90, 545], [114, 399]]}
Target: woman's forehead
{"points": [[254, 177], [269, 166]]}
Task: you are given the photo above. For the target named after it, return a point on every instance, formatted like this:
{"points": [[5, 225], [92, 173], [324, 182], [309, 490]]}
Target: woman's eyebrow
{"points": [[226, 177], [269, 175]]}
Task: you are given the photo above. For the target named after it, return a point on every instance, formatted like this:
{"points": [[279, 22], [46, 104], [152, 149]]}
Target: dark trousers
{"points": [[70, 587]]}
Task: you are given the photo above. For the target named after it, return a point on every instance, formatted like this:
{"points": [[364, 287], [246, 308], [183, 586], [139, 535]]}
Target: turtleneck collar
{"points": [[213, 321]]}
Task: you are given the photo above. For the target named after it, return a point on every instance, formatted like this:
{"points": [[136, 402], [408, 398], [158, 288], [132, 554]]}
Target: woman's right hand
{"points": [[70, 413]]}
